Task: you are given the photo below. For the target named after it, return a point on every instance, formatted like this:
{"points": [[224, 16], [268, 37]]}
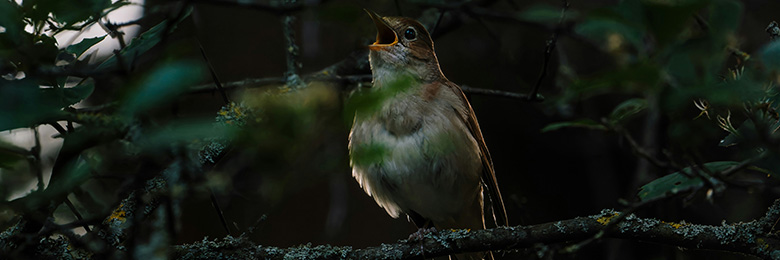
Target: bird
{"points": [[420, 152]]}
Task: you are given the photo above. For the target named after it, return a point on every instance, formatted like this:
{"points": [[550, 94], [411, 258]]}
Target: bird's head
{"points": [[402, 46]]}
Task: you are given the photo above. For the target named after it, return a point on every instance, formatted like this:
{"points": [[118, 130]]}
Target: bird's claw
{"points": [[420, 234]]}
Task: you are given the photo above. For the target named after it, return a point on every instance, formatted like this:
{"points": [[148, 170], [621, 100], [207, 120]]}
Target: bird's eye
{"points": [[410, 34]]}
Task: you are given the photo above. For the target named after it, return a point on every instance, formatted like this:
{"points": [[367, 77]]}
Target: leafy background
{"points": [[624, 76]]}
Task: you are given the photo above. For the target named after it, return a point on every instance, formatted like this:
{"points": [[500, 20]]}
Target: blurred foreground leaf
{"points": [[667, 19], [626, 20], [184, 132], [25, 104], [582, 123], [11, 20], [770, 55], [11, 155], [141, 44], [368, 154], [632, 79], [367, 101], [84, 45], [546, 14], [627, 110], [679, 182], [162, 85], [74, 11]]}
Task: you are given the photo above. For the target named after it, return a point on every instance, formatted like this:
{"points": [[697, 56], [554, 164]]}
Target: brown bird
{"points": [[430, 161]]}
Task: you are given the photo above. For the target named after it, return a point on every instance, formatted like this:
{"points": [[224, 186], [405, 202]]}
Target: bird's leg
{"points": [[424, 226], [420, 235], [422, 231]]}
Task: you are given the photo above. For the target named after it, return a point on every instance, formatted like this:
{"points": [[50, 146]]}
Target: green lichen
{"points": [[606, 216], [7, 243], [561, 228], [634, 224], [775, 254], [231, 116], [391, 251]]}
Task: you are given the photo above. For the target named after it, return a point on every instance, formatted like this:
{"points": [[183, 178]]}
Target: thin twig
{"points": [[635, 147], [702, 23], [548, 51], [489, 30], [438, 20], [773, 30], [35, 160], [214, 75], [215, 203], [59, 128], [499, 93], [76, 213]]}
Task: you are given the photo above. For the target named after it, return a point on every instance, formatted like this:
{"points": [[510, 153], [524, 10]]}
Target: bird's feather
{"points": [[488, 172]]}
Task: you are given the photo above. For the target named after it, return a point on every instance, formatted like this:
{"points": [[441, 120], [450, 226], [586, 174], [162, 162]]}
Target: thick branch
{"points": [[752, 238]]}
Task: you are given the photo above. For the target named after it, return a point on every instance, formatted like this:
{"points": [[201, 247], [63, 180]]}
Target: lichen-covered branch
{"points": [[756, 238], [773, 30], [292, 80]]}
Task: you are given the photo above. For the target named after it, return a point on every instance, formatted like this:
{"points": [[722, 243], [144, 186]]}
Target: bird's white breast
{"points": [[433, 170]]}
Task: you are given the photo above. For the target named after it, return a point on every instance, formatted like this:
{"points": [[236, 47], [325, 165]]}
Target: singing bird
{"points": [[433, 164]]}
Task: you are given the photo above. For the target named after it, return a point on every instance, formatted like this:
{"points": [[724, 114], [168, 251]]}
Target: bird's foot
{"points": [[420, 234]]}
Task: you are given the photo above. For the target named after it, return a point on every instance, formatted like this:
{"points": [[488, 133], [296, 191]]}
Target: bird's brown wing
{"points": [[488, 173]]}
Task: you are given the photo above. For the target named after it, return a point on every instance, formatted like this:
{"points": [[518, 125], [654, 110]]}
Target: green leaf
{"points": [[748, 134], [632, 79], [57, 98], [73, 95], [44, 51], [183, 132], [600, 29], [84, 45], [667, 19], [11, 20], [24, 104], [11, 155], [682, 69], [141, 44], [770, 55], [627, 109], [679, 182], [582, 123], [163, 84], [546, 14], [725, 16], [74, 11]]}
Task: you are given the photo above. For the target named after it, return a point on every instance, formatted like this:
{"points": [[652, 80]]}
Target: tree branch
{"points": [[755, 238], [773, 30]]}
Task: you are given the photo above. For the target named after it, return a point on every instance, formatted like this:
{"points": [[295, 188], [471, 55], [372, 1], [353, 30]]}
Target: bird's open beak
{"points": [[385, 36]]}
